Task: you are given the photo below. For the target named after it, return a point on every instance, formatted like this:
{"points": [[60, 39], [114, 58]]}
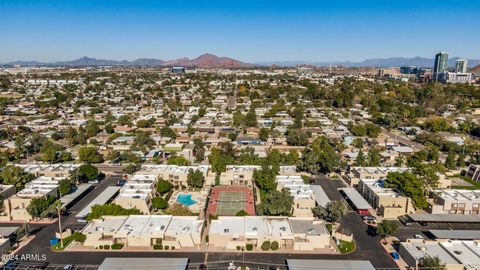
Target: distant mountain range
{"points": [[213, 61], [376, 62], [203, 61]]}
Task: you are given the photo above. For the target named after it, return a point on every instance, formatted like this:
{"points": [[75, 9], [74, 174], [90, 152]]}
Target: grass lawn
{"points": [[346, 247], [475, 185], [329, 227], [66, 241]]}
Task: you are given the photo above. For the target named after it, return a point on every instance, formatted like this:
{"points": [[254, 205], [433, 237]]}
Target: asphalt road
{"points": [[43, 233], [368, 246]]}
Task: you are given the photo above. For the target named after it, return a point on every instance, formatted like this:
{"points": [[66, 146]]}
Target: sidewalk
{"points": [[389, 249]]}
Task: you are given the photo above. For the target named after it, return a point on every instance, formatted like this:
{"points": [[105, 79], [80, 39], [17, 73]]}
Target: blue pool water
{"points": [[185, 199]]}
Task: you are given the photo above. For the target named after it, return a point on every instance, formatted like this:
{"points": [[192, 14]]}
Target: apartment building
{"points": [[357, 173], [242, 175], [144, 231], [388, 202], [138, 193], [291, 233], [49, 170], [455, 254], [454, 201], [238, 175], [15, 207], [473, 172], [177, 175], [305, 197]]}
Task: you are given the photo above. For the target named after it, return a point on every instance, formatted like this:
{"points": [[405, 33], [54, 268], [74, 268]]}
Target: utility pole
{"points": [[59, 206]]}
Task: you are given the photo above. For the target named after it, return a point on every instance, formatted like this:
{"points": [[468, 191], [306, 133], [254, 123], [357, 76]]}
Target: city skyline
{"points": [[252, 32]]}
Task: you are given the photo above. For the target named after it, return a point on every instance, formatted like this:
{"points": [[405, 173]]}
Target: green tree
{"points": [[13, 175], [251, 118], [142, 141], [90, 155], [39, 206], [265, 178], [91, 129], [87, 172], [374, 158], [387, 228], [429, 262], [372, 130], [195, 178], [450, 161], [168, 132], [159, 203], [297, 137], [178, 160], [178, 210], [332, 212], [163, 186], [65, 187], [320, 156], [360, 160], [131, 168], [276, 203], [199, 150], [410, 184], [263, 134], [358, 130]]}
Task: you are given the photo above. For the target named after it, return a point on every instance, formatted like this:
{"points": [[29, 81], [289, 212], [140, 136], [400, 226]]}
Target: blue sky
{"points": [[246, 30]]}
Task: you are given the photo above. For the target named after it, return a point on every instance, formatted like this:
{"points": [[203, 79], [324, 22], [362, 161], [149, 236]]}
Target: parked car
{"points": [[93, 181], [405, 220], [418, 236], [68, 267]]}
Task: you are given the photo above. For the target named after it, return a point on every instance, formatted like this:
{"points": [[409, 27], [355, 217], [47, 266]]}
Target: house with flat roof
{"points": [[292, 233], [144, 231], [388, 202]]}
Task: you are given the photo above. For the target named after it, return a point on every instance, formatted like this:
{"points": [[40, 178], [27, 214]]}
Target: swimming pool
{"points": [[185, 199]]}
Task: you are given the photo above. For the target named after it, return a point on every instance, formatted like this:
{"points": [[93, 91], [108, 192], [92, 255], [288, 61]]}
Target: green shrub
{"points": [[241, 213], [158, 241], [207, 238], [117, 246], [249, 247], [106, 247], [79, 237], [158, 247], [274, 245], [266, 245], [173, 247], [239, 247], [167, 247]]}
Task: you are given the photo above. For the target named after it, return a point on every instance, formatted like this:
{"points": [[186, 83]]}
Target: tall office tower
{"points": [[441, 62], [461, 65]]}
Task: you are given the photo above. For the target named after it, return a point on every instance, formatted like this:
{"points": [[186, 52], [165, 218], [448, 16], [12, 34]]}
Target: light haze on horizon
{"points": [[250, 31]]}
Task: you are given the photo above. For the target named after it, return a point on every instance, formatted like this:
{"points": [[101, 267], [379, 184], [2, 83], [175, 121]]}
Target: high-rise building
{"points": [[441, 62], [461, 66], [408, 70]]}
